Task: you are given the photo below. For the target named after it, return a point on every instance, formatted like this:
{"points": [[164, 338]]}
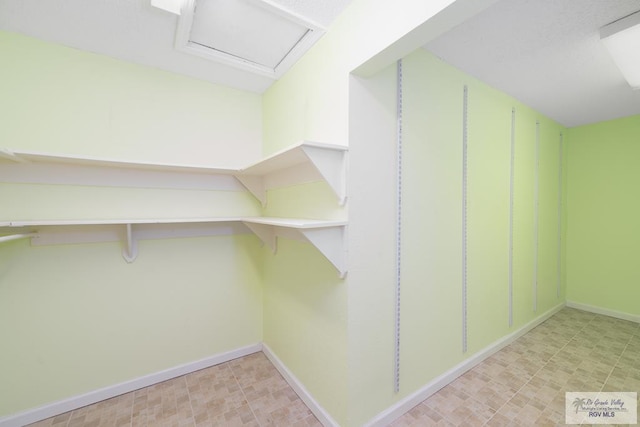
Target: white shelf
{"points": [[307, 161], [294, 222], [304, 162], [328, 236], [9, 156], [63, 222], [288, 157]]}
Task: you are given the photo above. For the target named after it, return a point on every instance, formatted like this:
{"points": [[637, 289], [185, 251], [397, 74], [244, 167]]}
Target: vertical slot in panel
{"points": [[559, 261], [536, 202], [398, 229], [511, 210], [465, 106]]}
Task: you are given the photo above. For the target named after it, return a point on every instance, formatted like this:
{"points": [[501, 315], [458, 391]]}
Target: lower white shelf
{"points": [[328, 236]]}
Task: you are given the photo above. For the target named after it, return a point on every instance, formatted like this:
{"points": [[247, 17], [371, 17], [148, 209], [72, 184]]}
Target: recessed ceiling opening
{"points": [[253, 35]]}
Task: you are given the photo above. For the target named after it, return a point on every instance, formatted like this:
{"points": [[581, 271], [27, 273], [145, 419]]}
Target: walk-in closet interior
{"points": [[423, 183]]}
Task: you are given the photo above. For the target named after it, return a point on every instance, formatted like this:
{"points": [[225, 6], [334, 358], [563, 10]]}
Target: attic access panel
{"points": [[253, 35]]}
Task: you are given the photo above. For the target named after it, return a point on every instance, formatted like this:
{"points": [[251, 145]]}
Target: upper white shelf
{"points": [[304, 162], [37, 157], [290, 156]]}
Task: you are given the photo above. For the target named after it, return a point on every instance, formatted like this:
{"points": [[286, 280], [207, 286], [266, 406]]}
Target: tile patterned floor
{"points": [[524, 384], [247, 391], [521, 385]]}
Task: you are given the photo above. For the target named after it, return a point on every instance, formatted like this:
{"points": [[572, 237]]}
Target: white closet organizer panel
{"points": [[328, 236]]}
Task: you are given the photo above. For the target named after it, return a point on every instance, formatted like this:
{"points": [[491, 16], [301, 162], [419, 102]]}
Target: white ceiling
{"points": [[249, 32], [134, 31], [548, 55]]}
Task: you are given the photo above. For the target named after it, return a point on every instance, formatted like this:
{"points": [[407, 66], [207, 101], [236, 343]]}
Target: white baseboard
{"points": [[382, 419], [322, 415], [604, 311], [395, 411], [66, 405]]}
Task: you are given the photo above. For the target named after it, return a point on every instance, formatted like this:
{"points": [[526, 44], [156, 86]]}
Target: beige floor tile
{"points": [[525, 383], [221, 395], [499, 420], [310, 421], [522, 384]]}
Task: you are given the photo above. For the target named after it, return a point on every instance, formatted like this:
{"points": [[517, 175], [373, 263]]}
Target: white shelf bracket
{"points": [[266, 233], [332, 165], [331, 243], [255, 185], [130, 252]]}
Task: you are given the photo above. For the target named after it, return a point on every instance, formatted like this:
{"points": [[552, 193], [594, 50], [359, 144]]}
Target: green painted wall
{"points": [[335, 335], [489, 123], [432, 214], [76, 318], [304, 318], [62, 100], [51, 202], [603, 212], [549, 292], [305, 300], [431, 289], [319, 100], [311, 102]]}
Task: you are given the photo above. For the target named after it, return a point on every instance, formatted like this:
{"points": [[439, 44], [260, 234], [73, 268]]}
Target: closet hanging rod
{"points": [[16, 237]]}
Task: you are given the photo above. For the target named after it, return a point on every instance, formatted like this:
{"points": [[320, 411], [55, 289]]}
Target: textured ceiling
{"points": [[133, 30], [547, 54], [321, 12]]}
